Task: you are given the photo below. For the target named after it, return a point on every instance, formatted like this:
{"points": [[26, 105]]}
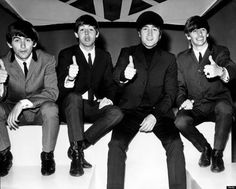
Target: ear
{"points": [[9, 45], [76, 35], [188, 37], [97, 34], [139, 34], [35, 44], [208, 35]]}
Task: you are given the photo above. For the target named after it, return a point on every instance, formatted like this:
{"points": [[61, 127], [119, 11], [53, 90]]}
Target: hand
{"points": [[73, 69], [148, 123], [212, 70], [104, 102], [12, 119], [130, 71], [3, 73], [187, 105]]}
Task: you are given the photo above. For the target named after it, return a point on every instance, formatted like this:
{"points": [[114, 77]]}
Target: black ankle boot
{"points": [[5, 162], [205, 159], [74, 153], [217, 161], [84, 163], [48, 163]]}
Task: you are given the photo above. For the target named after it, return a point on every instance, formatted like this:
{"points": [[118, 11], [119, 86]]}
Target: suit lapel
{"points": [[155, 59], [140, 60], [17, 71], [32, 67], [80, 57]]}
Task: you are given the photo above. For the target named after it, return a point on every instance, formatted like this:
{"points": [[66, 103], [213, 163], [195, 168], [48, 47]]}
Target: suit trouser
{"points": [[46, 115], [75, 111], [123, 134], [220, 112]]}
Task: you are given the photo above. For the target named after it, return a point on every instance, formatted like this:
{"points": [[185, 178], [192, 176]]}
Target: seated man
{"points": [[28, 91], [203, 73], [147, 76], [86, 92]]}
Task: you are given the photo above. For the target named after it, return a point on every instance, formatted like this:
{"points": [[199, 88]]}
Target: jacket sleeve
{"points": [[182, 89], [62, 72], [50, 89], [121, 64], [223, 59], [109, 86]]}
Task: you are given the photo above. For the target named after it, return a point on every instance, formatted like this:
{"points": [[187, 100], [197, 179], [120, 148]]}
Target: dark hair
{"points": [[21, 28], [149, 17], [85, 19], [195, 22]]}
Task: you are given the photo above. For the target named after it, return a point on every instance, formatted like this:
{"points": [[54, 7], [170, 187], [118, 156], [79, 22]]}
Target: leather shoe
{"points": [[5, 162], [76, 168], [217, 161], [48, 163], [205, 159], [84, 163]]}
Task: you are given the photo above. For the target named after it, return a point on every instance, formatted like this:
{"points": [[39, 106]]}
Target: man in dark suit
{"points": [[203, 73], [28, 91], [86, 92], [147, 77]]}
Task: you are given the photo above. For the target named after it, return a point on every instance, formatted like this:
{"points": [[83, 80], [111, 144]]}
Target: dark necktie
{"points": [[90, 60], [200, 57], [25, 69], [90, 91]]}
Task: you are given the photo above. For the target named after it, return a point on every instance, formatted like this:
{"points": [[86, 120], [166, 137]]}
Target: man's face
{"points": [[22, 47], [149, 35], [198, 37], [87, 35]]}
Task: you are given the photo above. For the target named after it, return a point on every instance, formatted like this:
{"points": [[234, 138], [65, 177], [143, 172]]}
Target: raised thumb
{"points": [[74, 60], [131, 62], [211, 60]]}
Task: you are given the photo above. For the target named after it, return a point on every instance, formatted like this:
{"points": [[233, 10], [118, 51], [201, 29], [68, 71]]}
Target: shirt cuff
{"points": [[1, 89], [26, 103], [225, 75], [68, 83]]}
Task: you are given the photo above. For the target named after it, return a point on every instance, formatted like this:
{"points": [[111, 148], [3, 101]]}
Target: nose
{"points": [[199, 32], [86, 31], [150, 33], [23, 43]]}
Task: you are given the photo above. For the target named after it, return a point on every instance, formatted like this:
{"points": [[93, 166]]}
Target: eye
{"points": [[16, 39], [203, 30], [81, 30], [28, 40], [155, 29], [144, 28]]}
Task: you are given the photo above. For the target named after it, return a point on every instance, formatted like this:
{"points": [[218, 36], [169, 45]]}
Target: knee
{"points": [[49, 109], [115, 113], [182, 122], [224, 108], [73, 99]]}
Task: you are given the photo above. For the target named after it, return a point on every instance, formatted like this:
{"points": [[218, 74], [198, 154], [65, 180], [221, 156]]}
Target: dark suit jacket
{"points": [[159, 81], [100, 78], [193, 83], [40, 84]]}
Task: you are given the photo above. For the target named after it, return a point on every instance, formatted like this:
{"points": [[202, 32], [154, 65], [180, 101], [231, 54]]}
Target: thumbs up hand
{"points": [[213, 70], [130, 71], [3, 73], [73, 69]]}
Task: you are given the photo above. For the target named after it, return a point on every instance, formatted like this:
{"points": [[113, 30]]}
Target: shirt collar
{"points": [[202, 51], [85, 52], [28, 60]]}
